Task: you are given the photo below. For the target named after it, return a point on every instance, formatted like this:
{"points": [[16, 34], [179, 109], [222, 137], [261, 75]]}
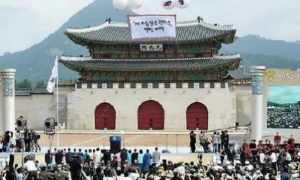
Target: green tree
{"points": [[25, 84], [40, 85]]}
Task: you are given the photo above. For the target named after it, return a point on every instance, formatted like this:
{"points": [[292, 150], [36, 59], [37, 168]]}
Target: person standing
{"points": [[68, 156], [30, 166], [277, 139], [274, 161], [225, 140], [140, 159], [48, 158], [203, 141], [193, 141], [134, 157], [146, 161], [59, 157], [156, 156], [253, 151], [106, 157], [98, 156], [75, 167], [129, 155], [124, 156], [214, 142]]}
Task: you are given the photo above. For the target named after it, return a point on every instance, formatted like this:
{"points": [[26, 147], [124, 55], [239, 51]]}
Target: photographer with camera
{"points": [[7, 142]]}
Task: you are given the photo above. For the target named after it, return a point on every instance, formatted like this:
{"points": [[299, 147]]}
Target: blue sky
{"points": [[284, 94], [27, 22]]}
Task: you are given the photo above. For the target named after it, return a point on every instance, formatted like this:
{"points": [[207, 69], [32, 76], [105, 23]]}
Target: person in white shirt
{"points": [[262, 158], [274, 159], [156, 157], [19, 174], [288, 157], [30, 166], [98, 156]]}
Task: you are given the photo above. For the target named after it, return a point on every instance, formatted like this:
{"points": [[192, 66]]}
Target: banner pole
{"points": [[57, 102]]}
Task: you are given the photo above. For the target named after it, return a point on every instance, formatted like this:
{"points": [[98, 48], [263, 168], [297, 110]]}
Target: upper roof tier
{"points": [[141, 65], [186, 32]]}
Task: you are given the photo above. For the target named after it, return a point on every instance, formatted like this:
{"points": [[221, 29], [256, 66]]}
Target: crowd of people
{"points": [[213, 143], [23, 140], [253, 160]]}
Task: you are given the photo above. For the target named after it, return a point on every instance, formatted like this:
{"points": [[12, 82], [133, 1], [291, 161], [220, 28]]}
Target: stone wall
{"points": [[35, 109], [220, 102], [225, 105]]}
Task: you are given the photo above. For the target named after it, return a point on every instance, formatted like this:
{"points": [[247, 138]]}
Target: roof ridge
{"points": [[126, 25], [87, 58]]}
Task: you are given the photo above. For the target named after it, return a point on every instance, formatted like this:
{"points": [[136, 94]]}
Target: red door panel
{"points": [[105, 117], [150, 116], [197, 117]]}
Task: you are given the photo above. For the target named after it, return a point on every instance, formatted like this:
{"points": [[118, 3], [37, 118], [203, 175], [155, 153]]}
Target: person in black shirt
{"points": [[124, 156], [68, 156], [134, 157], [75, 167], [253, 150], [225, 140], [59, 157], [193, 141], [48, 158], [106, 157]]}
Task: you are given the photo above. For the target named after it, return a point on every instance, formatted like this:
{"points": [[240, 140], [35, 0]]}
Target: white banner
{"points": [[152, 26], [53, 77]]}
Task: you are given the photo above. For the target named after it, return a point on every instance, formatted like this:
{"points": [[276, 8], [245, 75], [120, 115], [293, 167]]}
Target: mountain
{"points": [[253, 44], [36, 62]]}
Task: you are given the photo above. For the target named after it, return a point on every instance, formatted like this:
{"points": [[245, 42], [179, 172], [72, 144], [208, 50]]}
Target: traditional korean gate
{"points": [[197, 116], [105, 117], [151, 116]]}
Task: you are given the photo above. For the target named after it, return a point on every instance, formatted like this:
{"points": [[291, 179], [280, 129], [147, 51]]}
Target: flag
{"points": [[182, 3], [168, 4], [53, 77]]}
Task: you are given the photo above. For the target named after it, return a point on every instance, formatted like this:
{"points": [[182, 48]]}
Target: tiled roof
{"points": [[124, 65], [119, 33]]}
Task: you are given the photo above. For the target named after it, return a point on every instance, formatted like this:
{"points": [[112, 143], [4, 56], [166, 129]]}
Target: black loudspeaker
{"points": [[11, 160], [115, 144]]}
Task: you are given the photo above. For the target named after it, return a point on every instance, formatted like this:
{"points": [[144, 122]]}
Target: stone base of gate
{"points": [[166, 139]]}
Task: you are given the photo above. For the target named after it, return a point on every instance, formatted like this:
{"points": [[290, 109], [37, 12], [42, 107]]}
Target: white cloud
{"points": [[41, 16]]}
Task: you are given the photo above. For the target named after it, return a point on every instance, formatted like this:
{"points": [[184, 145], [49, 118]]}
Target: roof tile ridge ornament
{"points": [[75, 58], [96, 28], [227, 56], [217, 26], [206, 24]]}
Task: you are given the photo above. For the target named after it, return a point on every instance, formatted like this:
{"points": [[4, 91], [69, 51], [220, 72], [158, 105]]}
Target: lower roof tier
{"points": [[87, 64]]}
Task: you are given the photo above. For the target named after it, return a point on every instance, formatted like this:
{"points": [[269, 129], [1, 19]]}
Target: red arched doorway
{"points": [[151, 116], [105, 117], [197, 116]]}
